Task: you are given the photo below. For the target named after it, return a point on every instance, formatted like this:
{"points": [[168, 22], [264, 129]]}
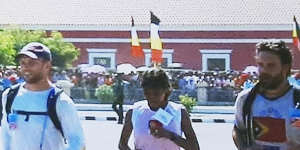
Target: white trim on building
{"points": [[109, 53], [167, 53], [195, 40], [215, 54]]}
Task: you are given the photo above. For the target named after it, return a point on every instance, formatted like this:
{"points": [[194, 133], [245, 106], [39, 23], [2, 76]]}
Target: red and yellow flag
{"points": [[156, 44], [136, 48], [269, 129], [296, 34]]}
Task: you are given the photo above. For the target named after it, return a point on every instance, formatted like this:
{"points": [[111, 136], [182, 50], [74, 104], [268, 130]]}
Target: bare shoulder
{"points": [[128, 116], [129, 112], [185, 118]]}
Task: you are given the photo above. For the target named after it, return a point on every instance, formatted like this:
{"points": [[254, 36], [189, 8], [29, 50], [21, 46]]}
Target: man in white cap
{"points": [[29, 122]]}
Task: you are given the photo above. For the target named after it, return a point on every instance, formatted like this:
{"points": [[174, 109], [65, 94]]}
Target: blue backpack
{"points": [[51, 107]]}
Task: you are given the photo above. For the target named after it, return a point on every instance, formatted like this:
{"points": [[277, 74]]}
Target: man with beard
{"points": [[27, 122], [267, 114]]}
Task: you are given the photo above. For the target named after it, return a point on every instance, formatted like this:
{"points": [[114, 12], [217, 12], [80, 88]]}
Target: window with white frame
{"points": [[213, 60], [167, 57], [103, 57]]}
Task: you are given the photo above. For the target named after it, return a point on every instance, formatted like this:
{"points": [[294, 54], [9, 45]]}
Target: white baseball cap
{"points": [[36, 50]]}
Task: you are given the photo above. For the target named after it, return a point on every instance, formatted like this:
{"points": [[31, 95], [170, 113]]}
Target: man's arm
{"points": [[126, 132], [70, 122], [239, 133], [5, 137], [239, 137]]}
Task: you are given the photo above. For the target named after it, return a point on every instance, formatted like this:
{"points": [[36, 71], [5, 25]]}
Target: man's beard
{"points": [[269, 82], [33, 78]]}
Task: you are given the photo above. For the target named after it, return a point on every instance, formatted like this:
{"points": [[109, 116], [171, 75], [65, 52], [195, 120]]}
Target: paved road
{"points": [[104, 135]]}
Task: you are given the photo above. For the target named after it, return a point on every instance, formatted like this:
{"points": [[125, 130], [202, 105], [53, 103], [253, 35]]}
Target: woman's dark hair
{"points": [[277, 47], [155, 79]]}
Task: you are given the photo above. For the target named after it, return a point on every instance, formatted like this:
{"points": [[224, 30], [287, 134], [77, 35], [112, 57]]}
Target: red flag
{"points": [[156, 44], [269, 129], [136, 48], [296, 34]]}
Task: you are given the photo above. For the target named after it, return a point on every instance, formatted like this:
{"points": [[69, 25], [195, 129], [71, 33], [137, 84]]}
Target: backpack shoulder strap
{"points": [[13, 91], [296, 96], [247, 113], [10, 98], [51, 108], [249, 101]]}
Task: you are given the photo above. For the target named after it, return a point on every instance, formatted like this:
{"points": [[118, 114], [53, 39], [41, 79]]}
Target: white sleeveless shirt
{"points": [[140, 118], [270, 114]]}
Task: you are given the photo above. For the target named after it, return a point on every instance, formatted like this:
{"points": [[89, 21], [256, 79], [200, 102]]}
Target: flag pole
{"points": [[296, 34], [155, 41]]}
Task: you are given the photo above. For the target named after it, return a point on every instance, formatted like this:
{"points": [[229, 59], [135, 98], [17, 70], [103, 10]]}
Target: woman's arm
{"points": [[190, 143], [188, 131], [126, 132]]}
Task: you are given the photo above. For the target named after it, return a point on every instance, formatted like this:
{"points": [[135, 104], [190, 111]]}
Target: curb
{"points": [[216, 120], [98, 118], [196, 109], [195, 120]]}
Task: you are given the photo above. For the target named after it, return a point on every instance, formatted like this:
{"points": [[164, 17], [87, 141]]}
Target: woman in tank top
{"points": [[157, 123]]}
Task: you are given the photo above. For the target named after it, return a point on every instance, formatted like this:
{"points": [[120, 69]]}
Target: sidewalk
{"points": [[197, 118], [200, 114]]}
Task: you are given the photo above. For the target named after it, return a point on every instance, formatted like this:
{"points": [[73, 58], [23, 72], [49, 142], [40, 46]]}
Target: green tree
{"points": [[63, 53], [7, 51], [13, 39]]}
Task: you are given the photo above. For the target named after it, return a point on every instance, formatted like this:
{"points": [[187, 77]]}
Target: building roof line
{"points": [[205, 27]]}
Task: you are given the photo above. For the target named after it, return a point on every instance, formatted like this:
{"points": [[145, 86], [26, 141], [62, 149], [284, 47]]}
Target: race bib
{"points": [[12, 121]]}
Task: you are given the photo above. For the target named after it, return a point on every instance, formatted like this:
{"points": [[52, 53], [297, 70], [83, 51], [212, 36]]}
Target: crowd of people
{"points": [[186, 81], [266, 118]]}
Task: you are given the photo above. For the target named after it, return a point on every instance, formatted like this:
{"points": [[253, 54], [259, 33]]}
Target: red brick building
{"points": [[199, 34]]}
